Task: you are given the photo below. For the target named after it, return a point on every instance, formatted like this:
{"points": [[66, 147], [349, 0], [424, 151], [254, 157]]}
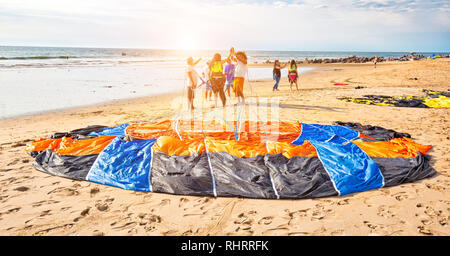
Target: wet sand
{"points": [[35, 203]]}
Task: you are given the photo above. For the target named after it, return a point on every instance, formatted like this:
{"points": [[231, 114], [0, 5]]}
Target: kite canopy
{"points": [[243, 159], [434, 99]]}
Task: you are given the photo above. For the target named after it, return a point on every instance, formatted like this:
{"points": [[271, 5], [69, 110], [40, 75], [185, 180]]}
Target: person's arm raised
{"points": [[195, 63]]}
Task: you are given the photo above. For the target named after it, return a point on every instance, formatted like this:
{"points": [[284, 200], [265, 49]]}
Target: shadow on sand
{"points": [[294, 106]]}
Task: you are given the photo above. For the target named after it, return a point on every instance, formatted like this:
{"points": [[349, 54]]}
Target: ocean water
{"points": [[39, 79]]}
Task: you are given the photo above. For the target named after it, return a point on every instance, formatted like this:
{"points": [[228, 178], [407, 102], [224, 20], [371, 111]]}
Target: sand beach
{"points": [[33, 203]]}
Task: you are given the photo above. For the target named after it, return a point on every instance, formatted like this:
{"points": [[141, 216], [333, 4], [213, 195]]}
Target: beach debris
{"points": [[260, 160]]}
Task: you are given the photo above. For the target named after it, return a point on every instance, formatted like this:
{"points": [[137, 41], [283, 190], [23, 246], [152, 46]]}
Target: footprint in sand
{"points": [[103, 205], [297, 233], [182, 202], [424, 230], [400, 196], [279, 230], [384, 211], [150, 218], [125, 226], [97, 233], [202, 201], [3, 198], [82, 214], [343, 202], [48, 230], [18, 144], [164, 202], [297, 214], [436, 187], [22, 189], [188, 233], [64, 191], [13, 210], [94, 191], [265, 220], [45, 213], [244, 223], [15, 161]]}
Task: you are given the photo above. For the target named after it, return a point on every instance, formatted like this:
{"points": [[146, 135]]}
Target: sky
{"points": [[304, 25]]}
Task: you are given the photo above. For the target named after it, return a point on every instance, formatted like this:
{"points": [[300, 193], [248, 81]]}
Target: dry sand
{"points": [[35, 203]]}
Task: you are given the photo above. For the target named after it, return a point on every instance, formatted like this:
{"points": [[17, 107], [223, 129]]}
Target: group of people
{"points": [[219, 77], [292, 74]]}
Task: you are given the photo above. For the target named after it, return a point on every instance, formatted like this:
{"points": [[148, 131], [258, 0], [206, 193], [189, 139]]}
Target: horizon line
{"points": [[175, 49]]}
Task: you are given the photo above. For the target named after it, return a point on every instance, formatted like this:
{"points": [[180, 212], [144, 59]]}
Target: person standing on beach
{"points": [[375, 60], [277, 73], [192, 81], [218, 78], [241, 70], [229, 74], [207, 79], [293, 74]]}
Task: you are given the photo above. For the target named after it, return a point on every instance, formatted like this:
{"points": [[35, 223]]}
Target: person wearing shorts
{"points": [[229, 74], [207, 79], [277, 73], [218, 78], [241, 71], [192, 81]]}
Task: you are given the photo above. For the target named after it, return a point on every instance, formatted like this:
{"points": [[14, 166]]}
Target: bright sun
{"points": [[188, 43]]}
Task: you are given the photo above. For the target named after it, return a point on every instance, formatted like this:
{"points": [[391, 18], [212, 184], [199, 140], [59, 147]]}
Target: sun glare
{"points": [[188, 43]]}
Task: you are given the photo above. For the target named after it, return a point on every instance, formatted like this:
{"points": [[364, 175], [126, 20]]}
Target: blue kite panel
{"points": [[338, 130], [111, 131], [349, 167], [124, 164], [320, 132]]}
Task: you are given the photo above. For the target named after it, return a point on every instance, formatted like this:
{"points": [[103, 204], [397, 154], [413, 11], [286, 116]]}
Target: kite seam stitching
{"points": [[271, 178], [324, 167], [211, 170], [150, 170], [176, 129]]}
